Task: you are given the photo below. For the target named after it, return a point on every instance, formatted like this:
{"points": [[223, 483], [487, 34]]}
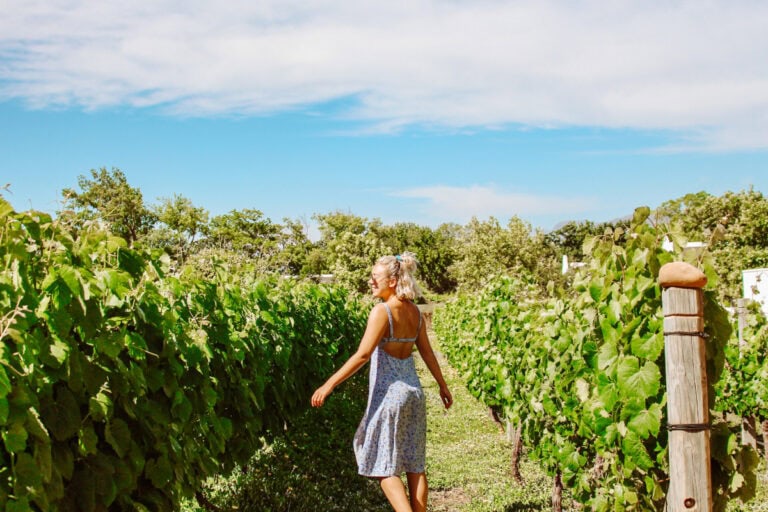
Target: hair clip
{"points": [[398, 258]]}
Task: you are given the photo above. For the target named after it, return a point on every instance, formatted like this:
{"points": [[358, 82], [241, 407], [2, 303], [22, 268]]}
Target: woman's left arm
{"points": [[374, 331]]}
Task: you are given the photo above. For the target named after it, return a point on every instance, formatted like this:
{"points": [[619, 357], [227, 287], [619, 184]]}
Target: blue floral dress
{"points": [[392, 436]]}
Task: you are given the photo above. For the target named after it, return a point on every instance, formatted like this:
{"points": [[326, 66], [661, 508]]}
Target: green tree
{"points": [[434, 249], [486, 249], [182, 223], [569, 238], [351, 245], [735, 227], [246, 231], [107, 196], [295, 248]]}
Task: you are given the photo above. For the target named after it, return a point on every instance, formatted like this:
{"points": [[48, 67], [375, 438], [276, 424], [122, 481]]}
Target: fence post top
{"points": [[681, 275]]}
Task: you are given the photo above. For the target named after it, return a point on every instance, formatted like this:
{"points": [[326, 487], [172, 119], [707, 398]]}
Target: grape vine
{"points": [[581, 371], [123, 387]]}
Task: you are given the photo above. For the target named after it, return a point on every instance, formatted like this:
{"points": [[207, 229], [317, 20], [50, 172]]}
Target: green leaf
{"points": [[71, 278], [44, 460], [20, 504], [646, 422], [118, 435], [613, 311], [36, 427], [640, 215], [4, 410], [100, 406], [607, 355], [110, 344], [27, 472], [62, 417], [15, 438], [181, 407], [5, 383], [635, 452], [649, 346], [63, 460], [59, 351], [641, 383], [595, 290], [159, 471], [87, 440]]}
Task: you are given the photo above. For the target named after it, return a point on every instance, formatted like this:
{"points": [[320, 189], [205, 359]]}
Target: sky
{"points": [[420, 111]]}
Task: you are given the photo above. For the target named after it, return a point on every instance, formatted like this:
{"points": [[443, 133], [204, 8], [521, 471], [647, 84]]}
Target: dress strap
{"points": [[392, 331], [389, 315]]}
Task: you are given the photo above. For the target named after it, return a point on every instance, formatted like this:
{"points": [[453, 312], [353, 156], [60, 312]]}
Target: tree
{"points": [[182, 222], [295, 248], [486, 249], [351, 246], [735, 227], [246, 231], [434, 249], [569, 238], [108, 197]]}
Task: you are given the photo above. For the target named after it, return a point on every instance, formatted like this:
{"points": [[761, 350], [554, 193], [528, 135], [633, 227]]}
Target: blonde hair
{"points": [[402, 267]]}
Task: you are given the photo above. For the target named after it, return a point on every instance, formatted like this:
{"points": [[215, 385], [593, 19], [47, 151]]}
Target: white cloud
{"points": [[692, 67], [459, 204]]}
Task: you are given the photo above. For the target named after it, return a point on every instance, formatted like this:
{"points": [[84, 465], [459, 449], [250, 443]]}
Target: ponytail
{"points": [[402, 267]]}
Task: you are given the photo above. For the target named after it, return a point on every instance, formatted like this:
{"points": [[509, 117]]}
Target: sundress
{"points": [[392, 435]]}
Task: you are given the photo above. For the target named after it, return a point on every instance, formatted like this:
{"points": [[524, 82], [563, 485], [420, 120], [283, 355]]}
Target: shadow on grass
{"points": [[311, 468]]}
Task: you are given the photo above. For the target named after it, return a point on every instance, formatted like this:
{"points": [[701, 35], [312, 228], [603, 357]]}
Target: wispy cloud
{"points": [[459, 204], [691, 67]]}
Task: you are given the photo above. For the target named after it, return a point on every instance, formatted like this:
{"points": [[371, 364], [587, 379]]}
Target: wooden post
{"points": [[690, 479]]}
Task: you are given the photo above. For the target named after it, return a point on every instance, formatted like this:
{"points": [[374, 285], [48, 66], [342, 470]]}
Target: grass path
{"points": [[468, 457]]}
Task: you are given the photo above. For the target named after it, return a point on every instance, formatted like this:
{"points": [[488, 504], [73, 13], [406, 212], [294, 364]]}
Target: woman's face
{"points": [[379, 281]]}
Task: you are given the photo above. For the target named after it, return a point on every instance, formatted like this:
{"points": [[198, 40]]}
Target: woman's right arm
{"points": [[374, 331], [428, 355]]}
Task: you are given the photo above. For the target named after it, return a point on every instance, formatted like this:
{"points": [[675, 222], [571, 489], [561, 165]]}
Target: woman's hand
{"points": [[319, 396], [446, 397]]}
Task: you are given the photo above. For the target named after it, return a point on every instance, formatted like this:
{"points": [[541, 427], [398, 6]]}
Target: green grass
{"points": [[468, 456]]}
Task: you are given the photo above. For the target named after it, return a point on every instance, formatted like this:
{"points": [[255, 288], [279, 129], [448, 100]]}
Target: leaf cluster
{"points": [[581, 371], [123, 386]]}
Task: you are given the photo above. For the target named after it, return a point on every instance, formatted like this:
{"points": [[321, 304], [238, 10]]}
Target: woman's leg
{"points": [[394, 490], [417, 488]]}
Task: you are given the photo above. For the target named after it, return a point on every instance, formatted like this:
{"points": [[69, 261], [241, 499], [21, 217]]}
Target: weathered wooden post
{"points": [[690, 479]]}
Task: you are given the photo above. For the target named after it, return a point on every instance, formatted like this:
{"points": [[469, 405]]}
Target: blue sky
{"points": [[422, 111]]}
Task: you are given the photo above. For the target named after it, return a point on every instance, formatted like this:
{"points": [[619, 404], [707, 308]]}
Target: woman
{"points": [[391, 437]]}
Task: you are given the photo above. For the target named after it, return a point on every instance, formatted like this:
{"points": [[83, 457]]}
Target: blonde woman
{"points": [[392, 435]]}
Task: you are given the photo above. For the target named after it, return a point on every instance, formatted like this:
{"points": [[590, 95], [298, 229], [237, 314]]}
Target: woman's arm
{"points": [[428, 355], [374, 331]]}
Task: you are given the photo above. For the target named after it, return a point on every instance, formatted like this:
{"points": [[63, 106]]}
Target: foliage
{"points": [[743, 391], [569, 238], [295, 249], [108, 197], [434, 249], [182, 223], [123, 387], [743, 219], [351, 245], [246, 231], [485, 249], [582, 372]]}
